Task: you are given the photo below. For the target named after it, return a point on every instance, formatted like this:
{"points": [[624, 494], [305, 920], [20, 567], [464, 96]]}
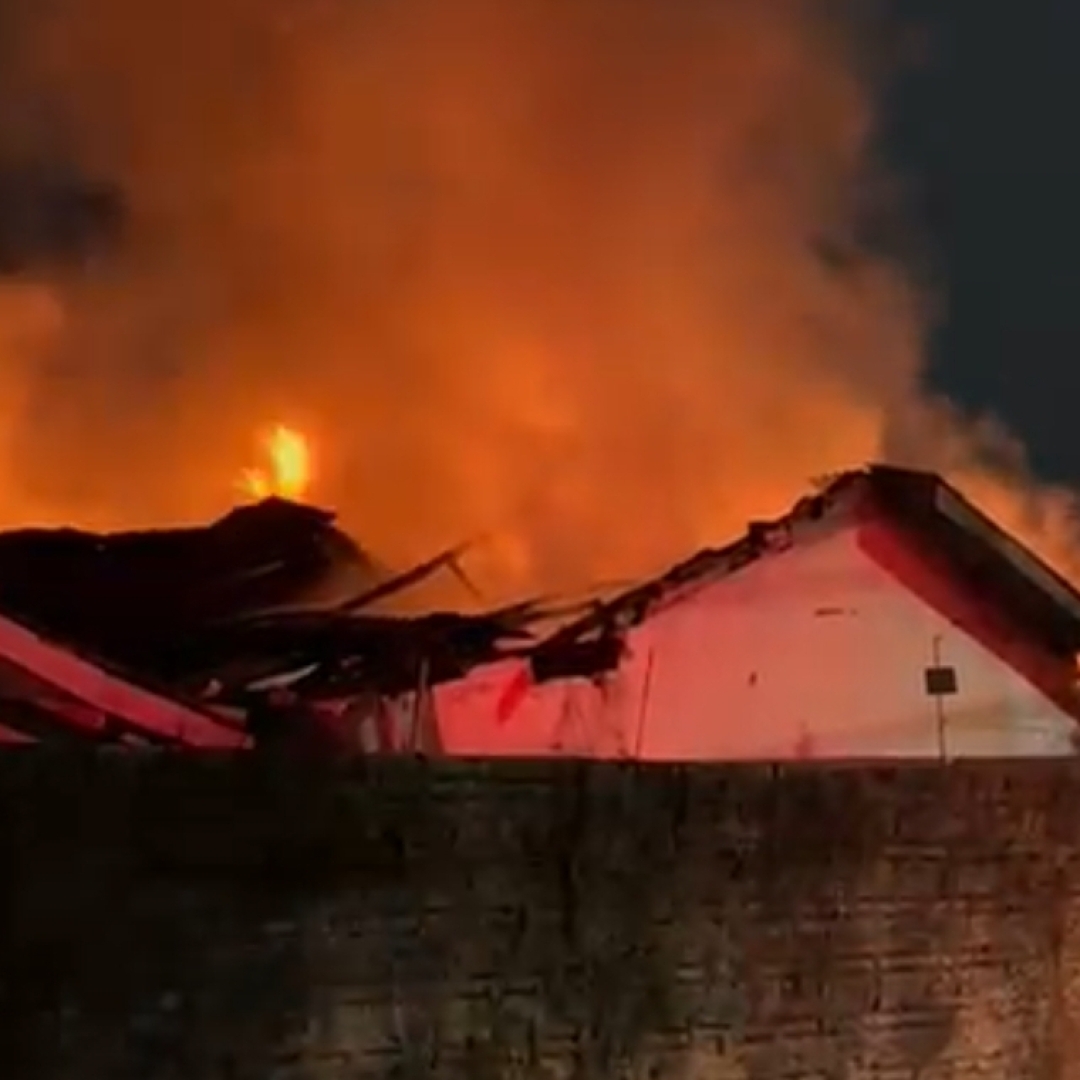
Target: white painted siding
{"points": [[812, 652]]}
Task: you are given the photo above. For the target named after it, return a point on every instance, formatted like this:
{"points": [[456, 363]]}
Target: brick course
{"points": [[178, 920]]}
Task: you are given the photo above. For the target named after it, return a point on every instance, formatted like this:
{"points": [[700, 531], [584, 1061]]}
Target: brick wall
{"points": [[164, 920]]}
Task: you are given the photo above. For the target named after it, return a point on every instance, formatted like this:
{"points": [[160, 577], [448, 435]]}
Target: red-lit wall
{"points": [[816, 651]]}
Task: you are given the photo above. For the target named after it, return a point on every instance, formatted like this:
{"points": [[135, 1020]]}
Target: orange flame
{"points": [[287, 473]]}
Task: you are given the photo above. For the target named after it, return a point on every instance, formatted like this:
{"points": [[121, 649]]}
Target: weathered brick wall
{"points": [[167, 920]]}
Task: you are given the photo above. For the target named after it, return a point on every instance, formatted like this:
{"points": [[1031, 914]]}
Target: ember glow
{"points": [[287, 469]]}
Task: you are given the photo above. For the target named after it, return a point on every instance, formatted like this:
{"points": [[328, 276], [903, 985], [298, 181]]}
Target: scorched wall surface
{"points": [[164, 920]]}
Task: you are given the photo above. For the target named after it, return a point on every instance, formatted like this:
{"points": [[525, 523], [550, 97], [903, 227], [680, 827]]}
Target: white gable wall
{"points": [[811, 652], [818, 651]]}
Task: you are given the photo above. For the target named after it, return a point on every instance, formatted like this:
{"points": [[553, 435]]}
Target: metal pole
{"points": [[646, 686], [939, 702]]}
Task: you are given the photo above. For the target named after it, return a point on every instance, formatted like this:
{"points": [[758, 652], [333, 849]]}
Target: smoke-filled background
{"points": [[587, 277]]}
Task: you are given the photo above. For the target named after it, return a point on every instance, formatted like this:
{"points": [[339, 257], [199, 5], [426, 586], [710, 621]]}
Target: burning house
{"points": [[883, 616]]}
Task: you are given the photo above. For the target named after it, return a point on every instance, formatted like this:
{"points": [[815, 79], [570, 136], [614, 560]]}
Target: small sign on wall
{"points": [[941, 681]]}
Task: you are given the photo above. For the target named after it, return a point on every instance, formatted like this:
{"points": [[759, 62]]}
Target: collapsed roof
{"points": [[272, 593], [179, 631]]}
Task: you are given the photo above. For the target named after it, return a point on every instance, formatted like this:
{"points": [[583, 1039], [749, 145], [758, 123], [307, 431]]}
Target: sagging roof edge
{"points": [[918, 502]]}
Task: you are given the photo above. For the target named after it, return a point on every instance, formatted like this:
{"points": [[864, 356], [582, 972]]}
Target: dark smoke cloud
{"points": [[587, 277], [51, 218]]}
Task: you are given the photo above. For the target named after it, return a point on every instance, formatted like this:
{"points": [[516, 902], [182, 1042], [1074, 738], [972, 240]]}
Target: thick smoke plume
{"points": [[581, 276]]}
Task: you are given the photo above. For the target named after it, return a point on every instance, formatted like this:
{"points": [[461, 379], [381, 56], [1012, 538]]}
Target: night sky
{"points": [[986, 133]]}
